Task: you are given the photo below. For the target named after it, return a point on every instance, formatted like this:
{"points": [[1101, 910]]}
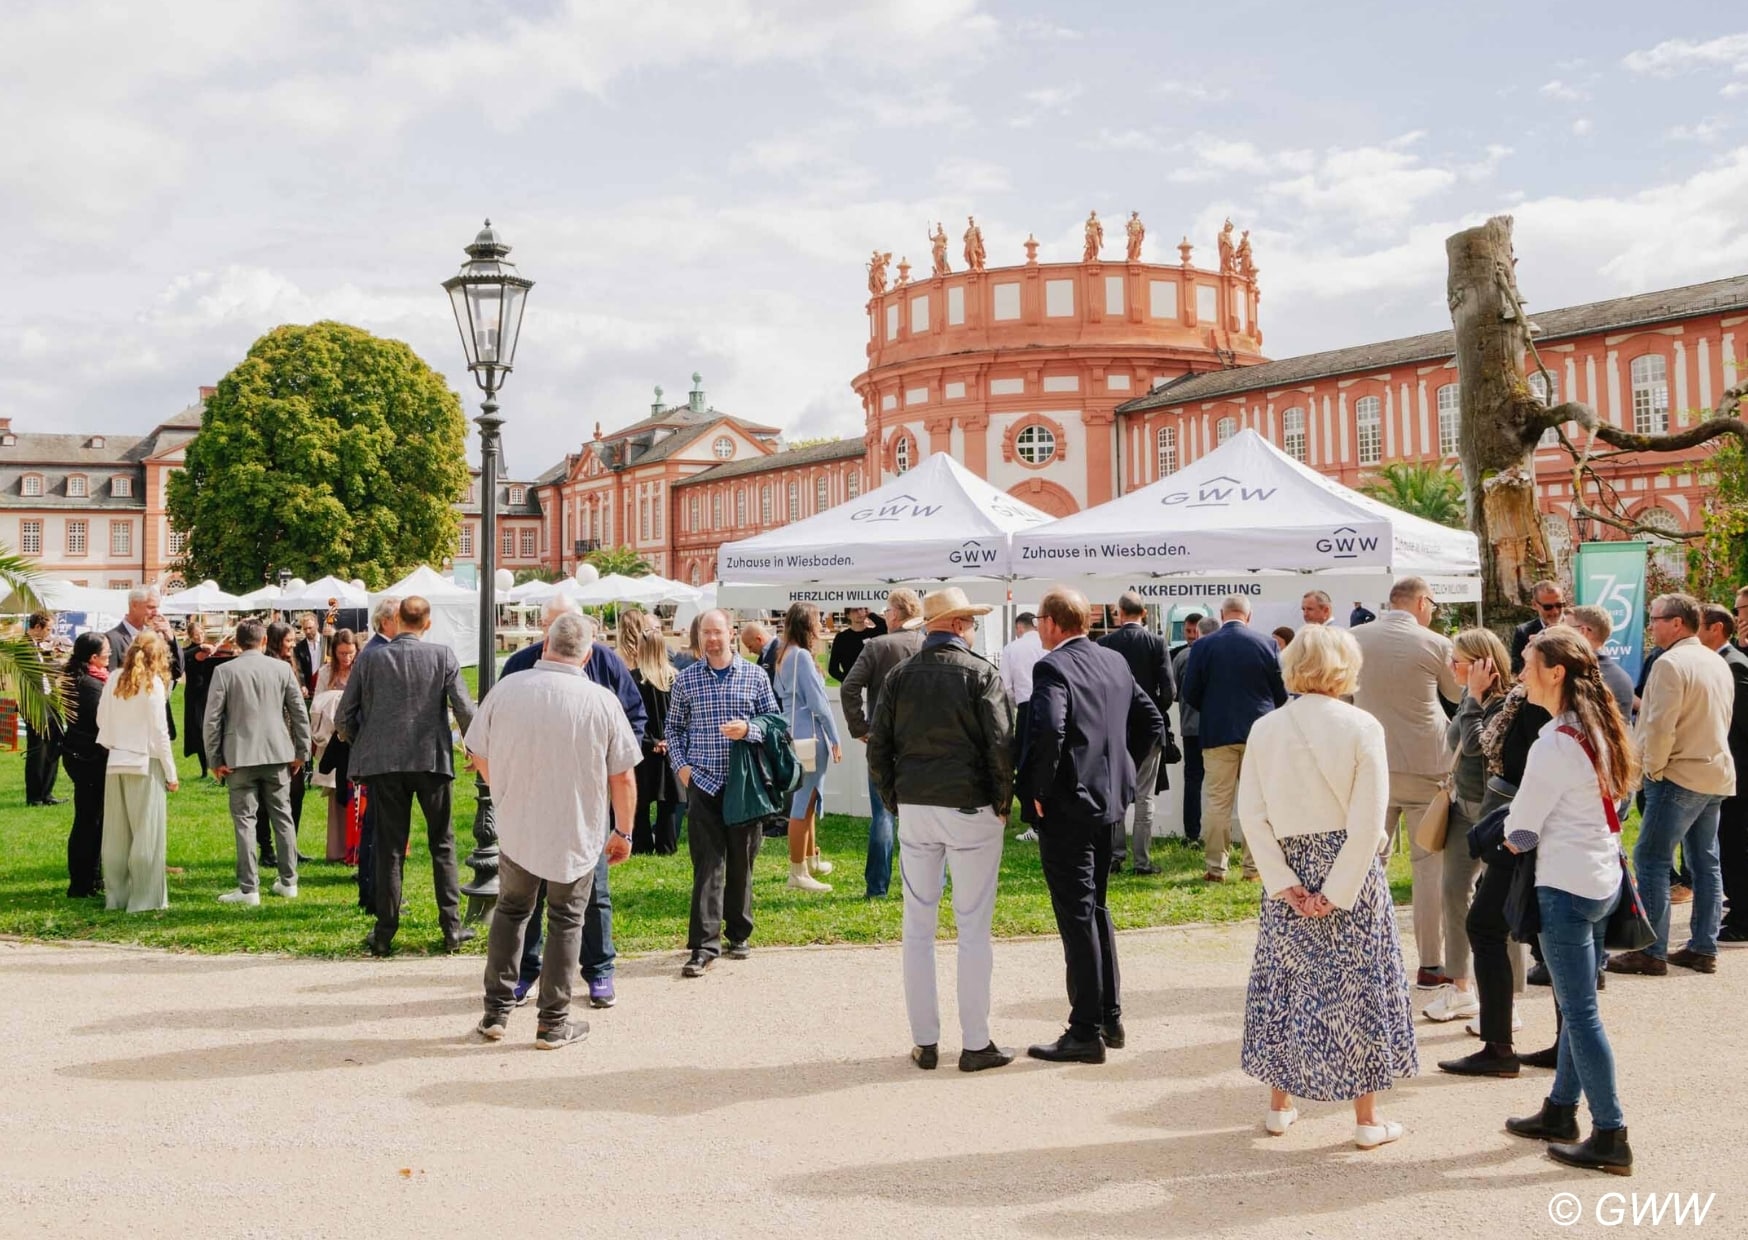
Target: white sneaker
{"points": [[248, 898], [288, 890], [1452, 1004], [1371, 1136], [1279, 1121], [801, 880], [1473, 1028], [817, 864], [1029, 835]]}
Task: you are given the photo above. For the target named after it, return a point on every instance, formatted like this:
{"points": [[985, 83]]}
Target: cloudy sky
{"points": [[694, 185]]}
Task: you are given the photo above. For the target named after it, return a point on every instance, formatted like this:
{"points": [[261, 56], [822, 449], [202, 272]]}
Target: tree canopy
{"points": [[622, 560], [326, 450], [1423, 488]]}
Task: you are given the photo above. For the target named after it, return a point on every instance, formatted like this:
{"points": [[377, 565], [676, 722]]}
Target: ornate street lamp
{"points": [[487, 295]]}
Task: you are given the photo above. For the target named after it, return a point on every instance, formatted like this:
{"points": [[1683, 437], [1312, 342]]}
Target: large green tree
{"points": [[621, 560], [326, 450], [1423, 488]]}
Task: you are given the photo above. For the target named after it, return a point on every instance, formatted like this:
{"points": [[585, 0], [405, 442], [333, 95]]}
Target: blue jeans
{"points": [[1571, 938], [878, 874], [598, 954], [1674, 815]]}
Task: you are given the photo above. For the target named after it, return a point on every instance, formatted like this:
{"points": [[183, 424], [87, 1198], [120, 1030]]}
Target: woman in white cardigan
{"points": [[132, 726], [1327, 1016]]}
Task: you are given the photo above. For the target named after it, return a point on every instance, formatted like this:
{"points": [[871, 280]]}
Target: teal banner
{"points": [[1611, 575]]}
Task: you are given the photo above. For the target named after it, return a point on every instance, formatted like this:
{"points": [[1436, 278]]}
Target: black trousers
{"points": [[664, 836], [1076, 858], [393, 795], [722, 874], [1490, 946], [85, 840], [1733, 854], [1192, 747], [42, 756]]}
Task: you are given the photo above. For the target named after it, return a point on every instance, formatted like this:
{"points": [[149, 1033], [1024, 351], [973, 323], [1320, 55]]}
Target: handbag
{"points": [[806, 748], [1429, 832], [1628, 929]]}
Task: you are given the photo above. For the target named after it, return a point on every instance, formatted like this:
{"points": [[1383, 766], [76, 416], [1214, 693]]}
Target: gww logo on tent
{"points": [[897, 508], [972, 554], [1219, 492], [1346, 543]]}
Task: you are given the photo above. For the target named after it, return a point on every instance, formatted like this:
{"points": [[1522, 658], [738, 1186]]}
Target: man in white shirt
{"points": [[1018, 658], [1316, 607], [556, 749]]}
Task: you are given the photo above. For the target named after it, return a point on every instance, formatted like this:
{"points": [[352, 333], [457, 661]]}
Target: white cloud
{"points": [[1046, 31], [1053, 98], [1674, 56], [1488, 164], [1195, 91], [1733, 89], [1371, 183], [1212, 158], [1582, 126], [971, 177], [1563, 91], [1125, 140], [1708, 130]]}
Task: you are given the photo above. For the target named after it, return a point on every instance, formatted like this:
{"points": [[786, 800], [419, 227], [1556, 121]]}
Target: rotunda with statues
{"points": [[1017, 371]]}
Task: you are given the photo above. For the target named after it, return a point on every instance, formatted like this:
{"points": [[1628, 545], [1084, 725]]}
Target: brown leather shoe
{"points": [[1680, 893], [1637, 962], [1699, 962], [1212, 877]]}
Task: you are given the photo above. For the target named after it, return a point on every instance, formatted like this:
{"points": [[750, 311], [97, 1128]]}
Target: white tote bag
{"points": [[806, 750]]}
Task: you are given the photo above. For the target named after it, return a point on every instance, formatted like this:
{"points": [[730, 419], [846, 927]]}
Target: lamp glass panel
{"points": [[486, 308]]}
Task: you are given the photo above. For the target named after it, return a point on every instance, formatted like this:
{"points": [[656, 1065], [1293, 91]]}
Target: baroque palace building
{"points": [[1064, 384]]}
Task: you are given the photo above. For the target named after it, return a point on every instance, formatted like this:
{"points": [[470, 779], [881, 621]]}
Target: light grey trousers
{"points": [[1139, 828], [135, 820], [1409, 797], [1457, 887], [251, 787], [933, 840]]}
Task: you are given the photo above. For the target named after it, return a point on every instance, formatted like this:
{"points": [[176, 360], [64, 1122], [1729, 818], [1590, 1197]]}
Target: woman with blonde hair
{"points": [[1327, 1015], [1580, 767], [1483, 667], [800, 687], [629, 638], [656, 785], [133, 726]]}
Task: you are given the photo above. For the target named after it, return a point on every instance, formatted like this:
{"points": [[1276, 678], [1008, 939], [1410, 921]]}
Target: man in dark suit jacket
{"points": [[142, 613], [1149, 661], [1550, 603], [1246, 665], [1088, 720], [310, 651], [1717, 628], [393, 715]]}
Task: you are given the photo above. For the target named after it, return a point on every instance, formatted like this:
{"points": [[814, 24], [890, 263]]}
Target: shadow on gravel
{"points": [[274, 1058], [143, 964], [1142, 1004], [273, 1016], [1220, 1181]]}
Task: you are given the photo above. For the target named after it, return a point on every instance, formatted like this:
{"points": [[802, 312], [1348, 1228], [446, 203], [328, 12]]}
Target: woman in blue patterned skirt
{"points": [[1327, 1016]]}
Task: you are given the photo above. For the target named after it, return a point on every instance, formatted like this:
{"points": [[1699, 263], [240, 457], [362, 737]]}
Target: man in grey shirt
{"points": [[257, 734], [1596, 626]]}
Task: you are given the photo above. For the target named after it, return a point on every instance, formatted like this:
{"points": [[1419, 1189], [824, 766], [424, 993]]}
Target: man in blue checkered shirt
{"points": [[713, 701]]}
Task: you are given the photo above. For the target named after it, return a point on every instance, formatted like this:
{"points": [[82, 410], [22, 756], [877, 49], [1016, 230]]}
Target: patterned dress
{"points": [[1327, 1017]]}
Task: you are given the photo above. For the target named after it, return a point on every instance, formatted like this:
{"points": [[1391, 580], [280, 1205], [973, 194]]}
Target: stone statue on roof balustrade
{"points": [[1095, 238], [938, 244], [1226, 249], [1137, 234], [974, 254], [1246, 264], [877, 272]]}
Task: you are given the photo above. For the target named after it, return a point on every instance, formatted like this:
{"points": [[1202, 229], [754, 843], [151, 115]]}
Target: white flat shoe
{"points": [[1452, 1004], [817, 864], [250, 899], [1278, 1122], [1371, 1136]]}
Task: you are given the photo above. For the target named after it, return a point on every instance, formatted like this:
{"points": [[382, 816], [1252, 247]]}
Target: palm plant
{"points": [[621, 560], [22, 667], [1424, 489]]}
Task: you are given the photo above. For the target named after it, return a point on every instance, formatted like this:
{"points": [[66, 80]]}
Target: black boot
{"points": [[1606, 1149], [1553, 1123]]}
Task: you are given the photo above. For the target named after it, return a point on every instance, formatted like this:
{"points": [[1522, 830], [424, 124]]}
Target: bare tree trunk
{"points": [[1501, 419]]}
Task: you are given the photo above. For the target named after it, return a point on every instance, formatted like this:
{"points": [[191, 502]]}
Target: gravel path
{"points": [[159, 1095]]}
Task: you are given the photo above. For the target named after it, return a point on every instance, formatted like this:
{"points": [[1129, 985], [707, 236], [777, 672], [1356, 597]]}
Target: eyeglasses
{"points": [[1557, 605], [1655, 618]]}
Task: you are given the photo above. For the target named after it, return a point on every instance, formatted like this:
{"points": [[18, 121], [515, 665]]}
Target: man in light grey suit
{"points": [[257, 737], [395, 714]]}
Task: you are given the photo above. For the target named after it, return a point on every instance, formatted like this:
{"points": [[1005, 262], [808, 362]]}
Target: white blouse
{"points": [[135, 730], [1558, 811]]}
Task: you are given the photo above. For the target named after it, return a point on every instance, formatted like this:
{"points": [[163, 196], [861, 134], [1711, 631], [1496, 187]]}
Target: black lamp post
{"points": [[487, 296], [284, 579]]}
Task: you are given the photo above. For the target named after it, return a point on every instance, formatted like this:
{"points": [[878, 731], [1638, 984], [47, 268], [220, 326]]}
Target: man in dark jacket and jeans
{"points": [[939, 755], [1150, 663]]}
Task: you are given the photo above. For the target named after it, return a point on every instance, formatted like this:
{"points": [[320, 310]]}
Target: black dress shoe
{"points": [[697, 964], [1484, 1062], [1113, 1035], [1605, 1149], [1549, 1058], [925, 1057], [52, 801], [738, 951], [1070, 1049], [377, 948], [1538, 975], [1147, 871], [1733, 934], [991, 1056], [1552, 1123], [452, 943]]}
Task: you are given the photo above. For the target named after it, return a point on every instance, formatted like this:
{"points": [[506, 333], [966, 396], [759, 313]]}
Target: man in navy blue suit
{"points": [[1247, 667], [1088, 721]]}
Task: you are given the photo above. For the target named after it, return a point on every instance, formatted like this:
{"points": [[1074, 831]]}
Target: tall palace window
{"points": [[1450, 418], [1167, 446], [1650, 395], [1368, 414], [1293, 433]]}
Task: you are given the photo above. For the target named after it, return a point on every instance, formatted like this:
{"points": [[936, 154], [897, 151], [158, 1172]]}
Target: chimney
{"points": [[5, 426], [206, 394], [656, 408], [696, 401]]}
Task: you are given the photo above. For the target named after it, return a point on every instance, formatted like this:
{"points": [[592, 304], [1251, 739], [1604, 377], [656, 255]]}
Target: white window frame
{"points": [[1165, 445], [740, 507], [121, 538], [78, 537], [1450, 418], [1368, 417], [1650, 379], [464, 541], [31, 485], [901, 454], [78, 486], [822, 495], [1225, 429], [121, 486], [30, 537], [1035, 445], [1547, 391], [527, 545], [854, 485], [794, 501], [765, 504], [722, 447], [1293, 433], [518, 495]]}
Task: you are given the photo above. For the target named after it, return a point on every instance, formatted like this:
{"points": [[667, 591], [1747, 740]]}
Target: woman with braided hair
{"points": [[1581, 766]]}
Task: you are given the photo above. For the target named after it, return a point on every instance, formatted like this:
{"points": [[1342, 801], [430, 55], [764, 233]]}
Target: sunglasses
{"points": [[1551, 606]]}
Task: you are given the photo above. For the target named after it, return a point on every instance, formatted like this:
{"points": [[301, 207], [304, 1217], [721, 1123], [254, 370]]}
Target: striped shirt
{"points": [[703, 700]]}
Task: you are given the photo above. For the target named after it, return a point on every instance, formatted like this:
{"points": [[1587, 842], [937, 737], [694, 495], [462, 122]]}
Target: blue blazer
{"points": [[1243, 669], [1088, 721], [605, 668]]}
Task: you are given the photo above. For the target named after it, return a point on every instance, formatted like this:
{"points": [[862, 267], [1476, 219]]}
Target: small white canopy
{"points": [[647, 591], [61, 596], [938, 522], [454, 610], [200, 599], [1245, 507], [316, 595], [259, 600]]}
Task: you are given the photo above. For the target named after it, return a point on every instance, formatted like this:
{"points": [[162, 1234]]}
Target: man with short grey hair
{"points": [[556, 749], [1316, 607], [385, 618]]}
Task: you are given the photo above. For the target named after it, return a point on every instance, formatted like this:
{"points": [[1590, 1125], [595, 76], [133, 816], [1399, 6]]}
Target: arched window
{"points": [[30, 484], [77, 486], [1036, 445], [697, 575], [795, 501], [765, 504], [694, 512], [1368, 412], [1670, 556], [1650, 395], [1167, 446], [901, 453], [716, 509], [1224, 429], [1546, 390], [1293, 433], [740, 506], [1450, 418], [855, 484], [821, 494]]}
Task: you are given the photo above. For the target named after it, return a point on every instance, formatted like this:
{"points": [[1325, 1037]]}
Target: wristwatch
{"points": [[620, 834]]}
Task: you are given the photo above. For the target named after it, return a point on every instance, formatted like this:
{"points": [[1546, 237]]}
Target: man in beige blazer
{"points": [[1406, 669]]}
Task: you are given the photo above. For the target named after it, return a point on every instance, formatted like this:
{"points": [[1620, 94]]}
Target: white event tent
{"points": [[937, 524], [454, 610], [1249, 519], [646, 591], [316, 595], [259, 600], [200, 600]]}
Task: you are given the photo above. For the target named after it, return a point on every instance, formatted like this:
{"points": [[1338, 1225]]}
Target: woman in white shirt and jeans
{"points": [[1582, 756]]}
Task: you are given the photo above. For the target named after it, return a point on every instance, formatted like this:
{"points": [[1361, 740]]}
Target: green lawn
{"points": [[650, 894]]}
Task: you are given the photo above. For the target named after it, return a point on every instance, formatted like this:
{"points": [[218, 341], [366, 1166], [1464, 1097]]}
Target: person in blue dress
{"points": [[800, 687]]}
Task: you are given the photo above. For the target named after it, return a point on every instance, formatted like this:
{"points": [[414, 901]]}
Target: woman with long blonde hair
{"points": [[133, 726], [654, 674], [630, 637]]}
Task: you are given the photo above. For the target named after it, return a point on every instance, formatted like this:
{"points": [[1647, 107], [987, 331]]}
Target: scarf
{"points": [[97, 673], [1493, 733]]}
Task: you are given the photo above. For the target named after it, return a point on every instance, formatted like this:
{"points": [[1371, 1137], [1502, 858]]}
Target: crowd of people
{"points": [[1508, 770]]}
